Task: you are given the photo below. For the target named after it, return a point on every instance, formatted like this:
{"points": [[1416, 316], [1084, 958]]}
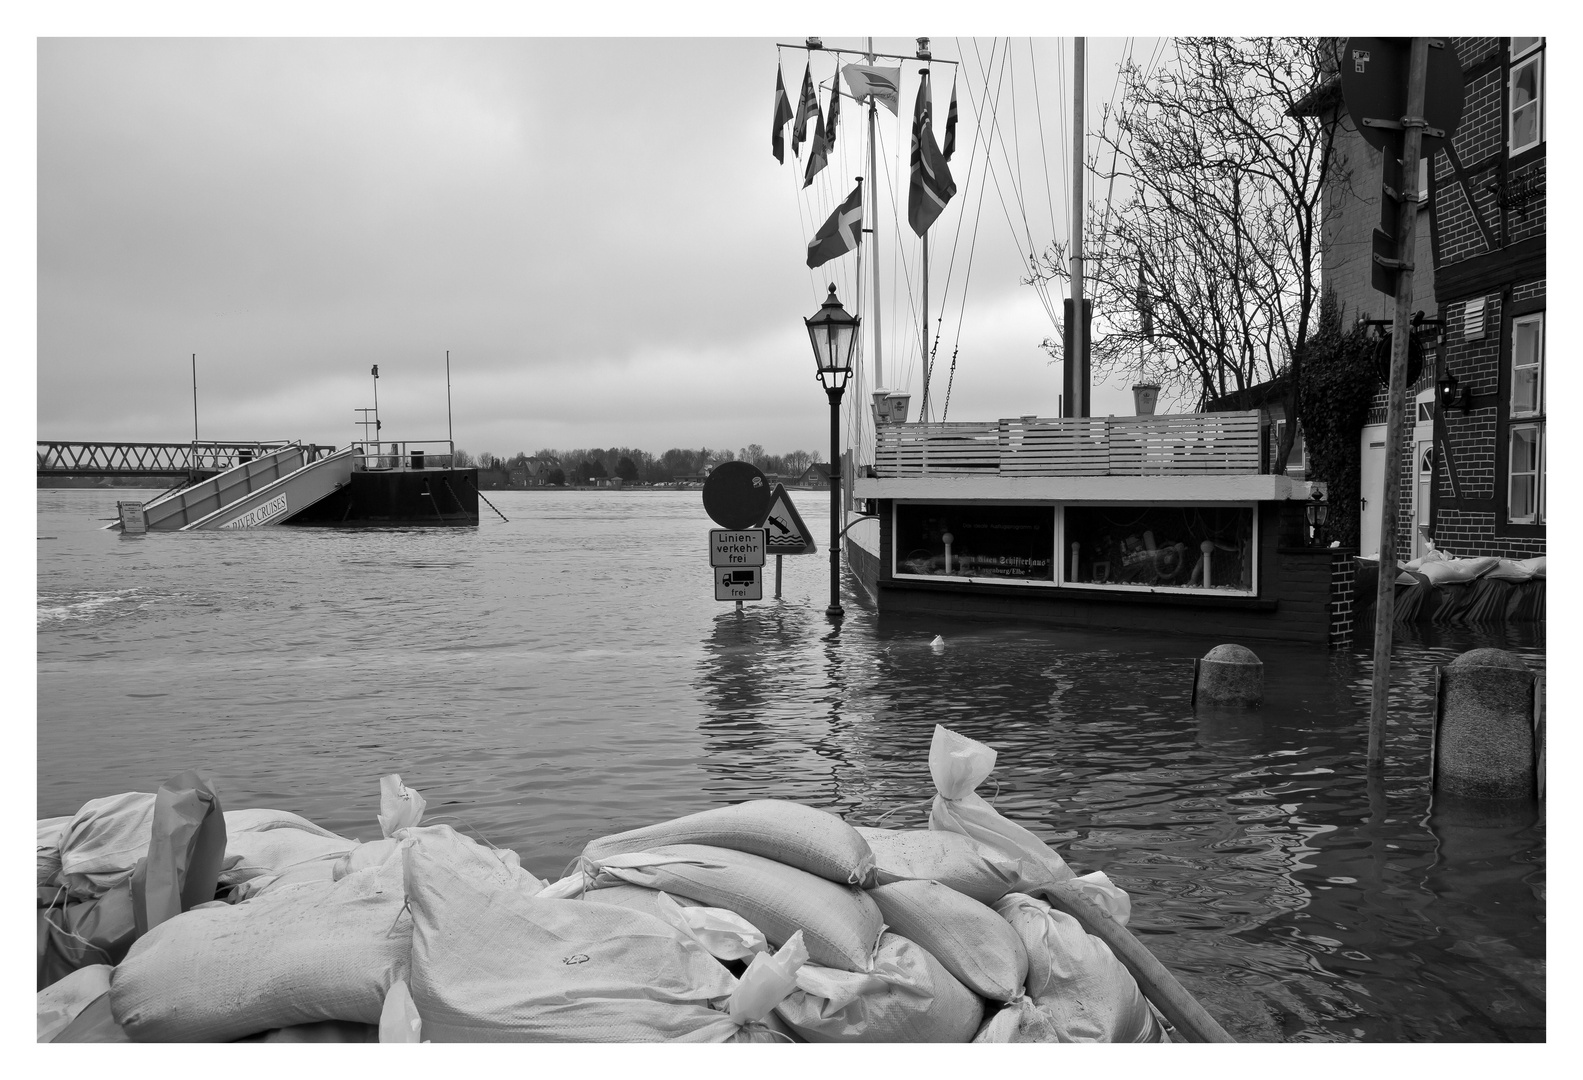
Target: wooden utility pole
{"points": [[1385, 598]]}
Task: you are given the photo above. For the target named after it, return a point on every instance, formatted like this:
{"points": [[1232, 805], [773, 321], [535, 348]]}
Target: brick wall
{"points": [[1343, 581]]}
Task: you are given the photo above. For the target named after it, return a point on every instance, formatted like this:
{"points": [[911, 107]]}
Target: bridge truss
{"points": [[190, 459]]}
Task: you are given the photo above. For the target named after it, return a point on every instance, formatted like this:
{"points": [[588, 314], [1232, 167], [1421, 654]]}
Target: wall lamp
{"points": [[1450, 393]]}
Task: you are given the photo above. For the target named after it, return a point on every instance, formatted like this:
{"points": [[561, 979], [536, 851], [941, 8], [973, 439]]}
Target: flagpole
{"points": [[1078, 406], [923, 354]]}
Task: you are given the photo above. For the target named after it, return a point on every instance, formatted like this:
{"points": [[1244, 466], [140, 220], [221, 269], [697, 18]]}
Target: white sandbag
{"points": [[970, 940], [400, 807], [809, 839], [314, 871], [1074, 976], [947, 857], [267, 843], [103, 842], [725, 934], [1517, 570], [840, 923], [1458, 571], [907, 997], [399, 1022], [304, 953], [957, 765], [1021, 1020], [491, 963], [377, 852], [61, 1001], [51, 831]]}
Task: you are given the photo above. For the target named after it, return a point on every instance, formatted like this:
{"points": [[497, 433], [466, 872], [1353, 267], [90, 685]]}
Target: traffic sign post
{"points": [[787, 535], [737, 556], [739, 584]]}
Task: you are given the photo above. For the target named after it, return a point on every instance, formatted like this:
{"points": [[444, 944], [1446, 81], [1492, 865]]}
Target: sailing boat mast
{"points": [[1077, 356], [923, 349], [873, 208]]}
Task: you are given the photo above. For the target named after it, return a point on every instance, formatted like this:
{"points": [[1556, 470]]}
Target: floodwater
{"points": [[567, 673]]}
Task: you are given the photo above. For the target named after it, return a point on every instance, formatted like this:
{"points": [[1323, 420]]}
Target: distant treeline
{"points": [[558, 468]]}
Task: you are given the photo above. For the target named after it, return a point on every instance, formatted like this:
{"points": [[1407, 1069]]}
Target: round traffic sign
{"points": [[1374, 87], [736, 495]]}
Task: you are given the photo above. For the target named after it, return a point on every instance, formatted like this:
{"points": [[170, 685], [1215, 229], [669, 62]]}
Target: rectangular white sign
{"points": [[259, 514], [743, 583], [736, 547]]}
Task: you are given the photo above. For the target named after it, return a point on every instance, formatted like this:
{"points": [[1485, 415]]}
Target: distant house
{"points": [[815, 476], [537, 471], [1269, 399]]}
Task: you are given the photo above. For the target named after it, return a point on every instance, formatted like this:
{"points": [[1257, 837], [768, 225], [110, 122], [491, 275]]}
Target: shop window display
{"points": [[1179, 547], [976, 541]]}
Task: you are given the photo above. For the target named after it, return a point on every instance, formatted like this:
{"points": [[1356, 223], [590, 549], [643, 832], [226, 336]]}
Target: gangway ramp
{"points": [[204, 501], [280, 499]]}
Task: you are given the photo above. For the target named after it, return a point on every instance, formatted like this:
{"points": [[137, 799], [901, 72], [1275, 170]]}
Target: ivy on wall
{"points": [[1339, 381]]}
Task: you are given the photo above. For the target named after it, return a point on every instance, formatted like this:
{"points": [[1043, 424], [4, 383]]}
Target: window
{"points": [[1154, 547], [1525, 450], [975, 541], [1296, 465], [1525, 98]]}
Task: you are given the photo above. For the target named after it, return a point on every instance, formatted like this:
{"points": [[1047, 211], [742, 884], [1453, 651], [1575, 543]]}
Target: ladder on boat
{"points": [[266, 490]]}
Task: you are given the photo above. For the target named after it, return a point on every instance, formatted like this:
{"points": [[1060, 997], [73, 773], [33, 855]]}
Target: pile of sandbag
{"points": [[762, 921]]}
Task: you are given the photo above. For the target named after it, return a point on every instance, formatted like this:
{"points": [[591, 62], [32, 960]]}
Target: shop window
{"points": [[1525, 100], [1175, 547], [970, 540]]}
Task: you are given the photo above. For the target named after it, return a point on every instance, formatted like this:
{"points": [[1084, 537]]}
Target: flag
{"points": [[950, 124], [783, 113], [807, 109], [932, 186], [841, 233], [818, 150], [882, 84], [835, 115], [1145, 306]]}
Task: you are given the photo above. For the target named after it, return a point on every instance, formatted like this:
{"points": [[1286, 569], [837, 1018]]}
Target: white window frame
{"points": [[1536, 320], [1534, 476], [1535, 60]]}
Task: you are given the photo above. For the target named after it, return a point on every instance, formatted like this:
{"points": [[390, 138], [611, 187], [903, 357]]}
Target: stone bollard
{"points": [[1484, 739], [1228, 675]]}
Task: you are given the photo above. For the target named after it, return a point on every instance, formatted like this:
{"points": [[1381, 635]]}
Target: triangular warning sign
{"points": [[784, 528]]}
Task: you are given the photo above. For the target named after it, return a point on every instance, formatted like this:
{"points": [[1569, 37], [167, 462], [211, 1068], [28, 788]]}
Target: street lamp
{"points": [[833, 333], [1316, 512]]}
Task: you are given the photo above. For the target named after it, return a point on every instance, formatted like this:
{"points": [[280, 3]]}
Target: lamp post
{"points": [[1317, 513], [833, 333]]}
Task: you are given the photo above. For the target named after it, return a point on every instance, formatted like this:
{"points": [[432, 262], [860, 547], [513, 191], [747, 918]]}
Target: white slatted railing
{"points": [[1185, 443]]}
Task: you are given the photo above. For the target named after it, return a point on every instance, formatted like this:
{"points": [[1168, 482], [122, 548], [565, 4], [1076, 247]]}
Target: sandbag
{"points": [[840, 923], [305, 953], [186, 848], [491, 963], [957, 765], [1518, 570], [73, 934], [59, 1003], [1088, 993], [807, 838], [103, 842], [322, 1031], [264, 843], [725, 934], [1457, 571], [906, 997], [947, 857], [970, 940], [1021, 1020], [399, 1021], [51, 831]]}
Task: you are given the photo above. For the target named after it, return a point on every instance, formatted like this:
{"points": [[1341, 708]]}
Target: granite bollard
{"points": [[1228, 675], [1484, 739]]}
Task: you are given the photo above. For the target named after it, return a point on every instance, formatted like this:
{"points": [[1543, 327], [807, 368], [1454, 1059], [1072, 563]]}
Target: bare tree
{"points": [[1205, 270]]}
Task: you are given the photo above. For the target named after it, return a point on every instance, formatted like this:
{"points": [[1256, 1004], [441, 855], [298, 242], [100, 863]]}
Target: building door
{"points": [[1423, 470], [1373, 490]]}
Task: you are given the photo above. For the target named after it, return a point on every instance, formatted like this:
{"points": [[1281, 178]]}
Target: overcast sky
{"points": [[595, 229]]}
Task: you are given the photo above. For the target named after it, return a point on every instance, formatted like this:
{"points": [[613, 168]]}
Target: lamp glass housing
{"points": [[833, 334], [1317, 511]]}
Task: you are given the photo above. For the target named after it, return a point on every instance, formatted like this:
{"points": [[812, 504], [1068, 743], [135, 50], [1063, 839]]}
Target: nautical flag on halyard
{"points": [[883, 84], [932, 186], [840, 234], [783, 113], [807, 109], [818, 151], [950, 124], [835, 115]]}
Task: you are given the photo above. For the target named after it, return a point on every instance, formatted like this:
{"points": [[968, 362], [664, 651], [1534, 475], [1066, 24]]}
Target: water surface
{"points": [[567, 673]]}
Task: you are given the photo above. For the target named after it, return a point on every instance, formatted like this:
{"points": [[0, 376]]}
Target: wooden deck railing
{"points": [[1186, 443]]}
